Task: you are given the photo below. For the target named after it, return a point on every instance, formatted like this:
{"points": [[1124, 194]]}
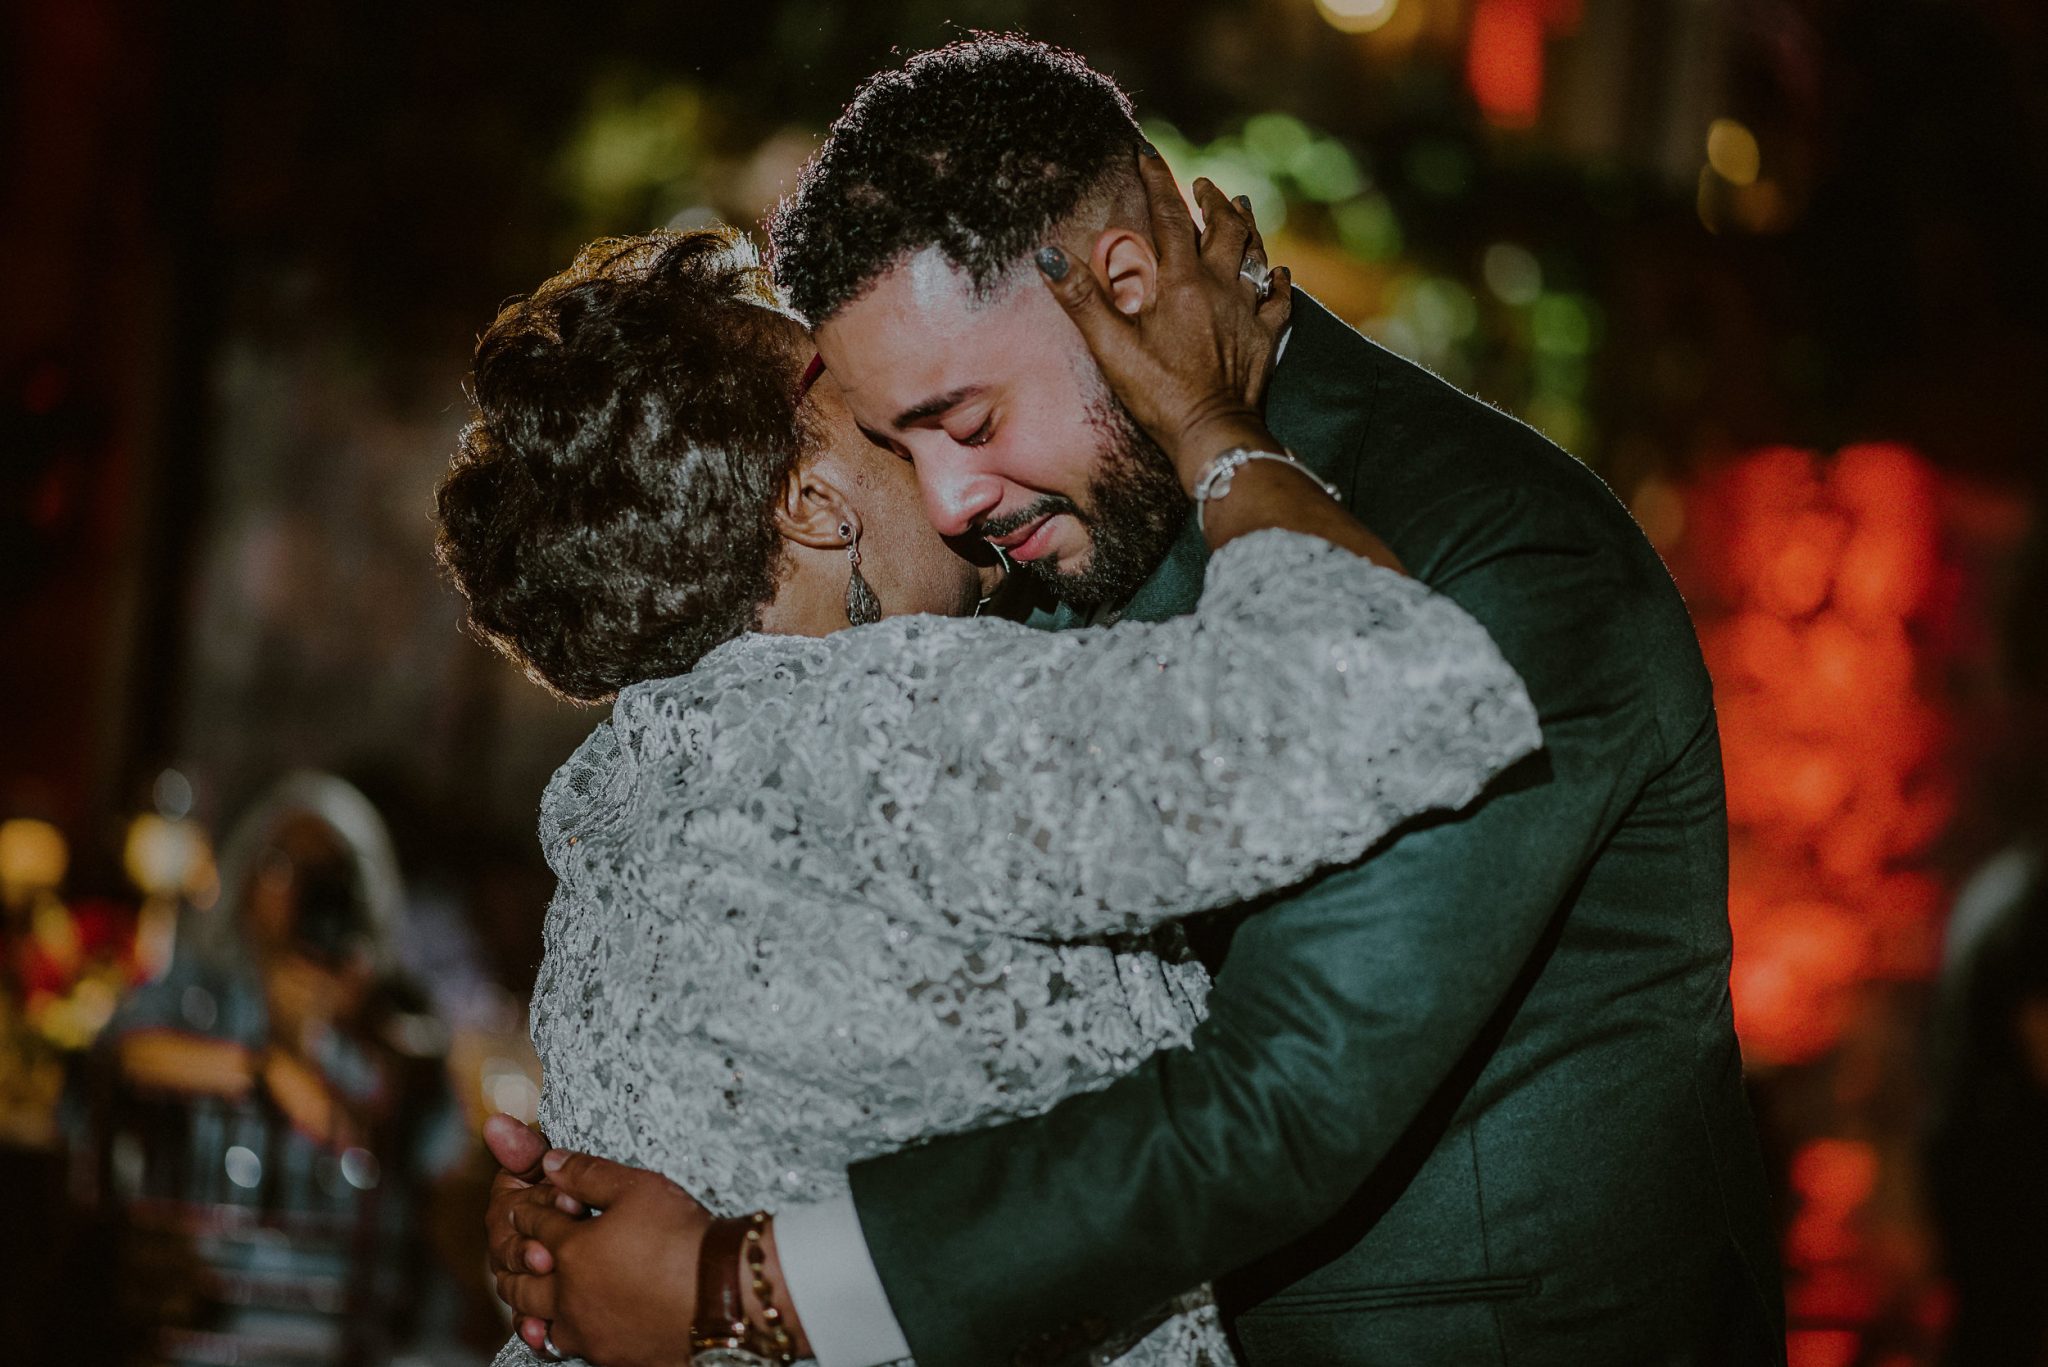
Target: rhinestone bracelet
{"points": [[1218, 474]]}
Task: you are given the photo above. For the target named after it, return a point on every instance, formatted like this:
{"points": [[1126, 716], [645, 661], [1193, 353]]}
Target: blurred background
{"points": [[270, 899]]}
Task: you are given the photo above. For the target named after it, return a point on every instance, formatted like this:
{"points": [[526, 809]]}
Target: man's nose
{"points": [[957, 494]]}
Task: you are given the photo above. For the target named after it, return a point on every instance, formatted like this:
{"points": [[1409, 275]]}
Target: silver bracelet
{"points": [[1222, 469]]}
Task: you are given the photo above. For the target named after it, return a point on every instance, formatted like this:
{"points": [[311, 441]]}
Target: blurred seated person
{"points": [[1987, 1152], [281, 1076]]}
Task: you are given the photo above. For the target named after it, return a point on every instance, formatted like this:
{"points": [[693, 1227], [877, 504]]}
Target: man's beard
{"points": [[1136, 509]]}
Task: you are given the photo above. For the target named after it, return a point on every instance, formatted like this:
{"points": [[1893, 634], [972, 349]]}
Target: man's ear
{"points": [[1127, 266], [813, 510]]}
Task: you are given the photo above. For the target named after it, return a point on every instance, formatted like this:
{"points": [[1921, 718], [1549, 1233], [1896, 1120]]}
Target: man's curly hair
{"points": [[608, 513], [977, 148]]}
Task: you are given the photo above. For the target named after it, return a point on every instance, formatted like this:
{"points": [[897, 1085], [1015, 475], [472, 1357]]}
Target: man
{"points": [[1474, 1100]]}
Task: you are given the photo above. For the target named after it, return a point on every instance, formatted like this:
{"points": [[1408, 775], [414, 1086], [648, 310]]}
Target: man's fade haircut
{"points": [[977, 148]]}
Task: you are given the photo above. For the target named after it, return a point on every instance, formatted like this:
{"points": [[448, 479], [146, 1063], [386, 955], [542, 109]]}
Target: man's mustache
{"points": [[1045, 505]]}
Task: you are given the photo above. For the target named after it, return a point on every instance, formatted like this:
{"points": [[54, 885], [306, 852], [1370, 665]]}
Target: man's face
{"points": [[1014, 434]]}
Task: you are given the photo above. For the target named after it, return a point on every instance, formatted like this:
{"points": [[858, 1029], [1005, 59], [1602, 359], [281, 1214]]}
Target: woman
{"points": [[276, 1069], [825, 892]]}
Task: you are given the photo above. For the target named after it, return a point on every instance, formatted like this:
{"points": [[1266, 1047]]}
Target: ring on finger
{"points": [[1261, 276]]}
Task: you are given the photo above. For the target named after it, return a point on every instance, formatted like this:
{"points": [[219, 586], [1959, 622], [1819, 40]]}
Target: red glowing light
{"points": [[1805, 574], [1831, 598], [1834, 1176], [1504, 64], [1822, 1348]]}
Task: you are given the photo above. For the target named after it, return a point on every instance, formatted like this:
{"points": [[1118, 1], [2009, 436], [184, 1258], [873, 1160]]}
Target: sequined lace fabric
{"points": [[819, 899]]}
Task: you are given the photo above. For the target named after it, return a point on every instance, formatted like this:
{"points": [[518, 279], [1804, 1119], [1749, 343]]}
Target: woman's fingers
{"points": [[517, 1147], [1255, 244], [1225, 230], [1173, 229], [1106, 331], [544, 1225], [528, 1295], [1274, 314]]}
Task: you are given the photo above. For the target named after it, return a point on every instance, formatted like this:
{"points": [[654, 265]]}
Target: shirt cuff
{"points": [[834, 1286]]}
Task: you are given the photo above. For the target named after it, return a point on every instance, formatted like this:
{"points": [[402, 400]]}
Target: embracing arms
{"points": [[1223, 1088], [1085, 782], [1098, 781], [1341, 1009]]}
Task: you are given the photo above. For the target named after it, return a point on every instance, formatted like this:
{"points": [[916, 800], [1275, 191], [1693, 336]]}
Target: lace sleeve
{"points": [[1070, 784]]}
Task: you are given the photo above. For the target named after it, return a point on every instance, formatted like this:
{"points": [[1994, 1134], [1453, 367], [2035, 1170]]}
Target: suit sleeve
{"points": [[1339, 1010]]}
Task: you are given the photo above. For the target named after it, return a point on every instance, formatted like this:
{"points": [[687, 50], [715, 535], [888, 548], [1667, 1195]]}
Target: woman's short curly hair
{"points": [[608, 514], [977, 148]]}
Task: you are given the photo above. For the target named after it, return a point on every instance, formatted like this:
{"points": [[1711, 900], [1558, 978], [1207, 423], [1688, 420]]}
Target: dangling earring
{"points": [[1008, 569], [862, 606]]}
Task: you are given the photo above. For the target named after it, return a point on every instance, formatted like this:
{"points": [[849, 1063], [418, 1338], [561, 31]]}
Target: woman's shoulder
{"points": [[892, 646]]}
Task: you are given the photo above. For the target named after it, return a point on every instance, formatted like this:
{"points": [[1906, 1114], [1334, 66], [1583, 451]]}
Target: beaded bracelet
{"points": [[779, 1346], [721, 1322]]}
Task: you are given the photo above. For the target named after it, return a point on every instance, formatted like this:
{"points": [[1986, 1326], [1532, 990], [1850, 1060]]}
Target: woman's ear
{"points": [[1128, 267], [813, 510]]}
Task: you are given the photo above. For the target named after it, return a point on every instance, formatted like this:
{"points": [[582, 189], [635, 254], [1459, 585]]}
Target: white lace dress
{"points": [[823, 898]]}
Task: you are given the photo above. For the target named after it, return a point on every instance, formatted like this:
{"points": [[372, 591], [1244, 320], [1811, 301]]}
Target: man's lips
{"points": [[1028, 542]]}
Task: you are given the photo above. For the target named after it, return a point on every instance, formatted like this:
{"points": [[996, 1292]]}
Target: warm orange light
{"points": [[1832, 1179], [1823, 1348], [1504, 64], [1811, 579], [1796, 579], [33, 858], [1793, 980]]}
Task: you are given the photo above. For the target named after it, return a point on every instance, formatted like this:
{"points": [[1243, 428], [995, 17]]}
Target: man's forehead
{"points": [[929, 281], [931, 288], [920, 320]]}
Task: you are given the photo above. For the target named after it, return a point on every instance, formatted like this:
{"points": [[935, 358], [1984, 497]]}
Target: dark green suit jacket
{"points": [[1474, 1100]]}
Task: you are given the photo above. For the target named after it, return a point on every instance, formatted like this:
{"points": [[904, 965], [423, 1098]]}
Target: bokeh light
{"points": [[1732, 152], [33, 858], [1504, 62], [1358, 16], [1512, 273]]}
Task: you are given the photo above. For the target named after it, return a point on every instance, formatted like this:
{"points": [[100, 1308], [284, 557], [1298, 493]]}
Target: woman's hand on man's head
{"points": [[1192, 363]]}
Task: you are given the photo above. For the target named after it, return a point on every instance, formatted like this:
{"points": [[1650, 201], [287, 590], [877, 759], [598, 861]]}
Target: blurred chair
{"points": [[259, 1118]]}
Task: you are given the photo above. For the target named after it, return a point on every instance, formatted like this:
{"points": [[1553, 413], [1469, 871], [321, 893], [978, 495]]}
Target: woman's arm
{"points": [[1088, 782], [1313, 703], [1069, 784]]}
